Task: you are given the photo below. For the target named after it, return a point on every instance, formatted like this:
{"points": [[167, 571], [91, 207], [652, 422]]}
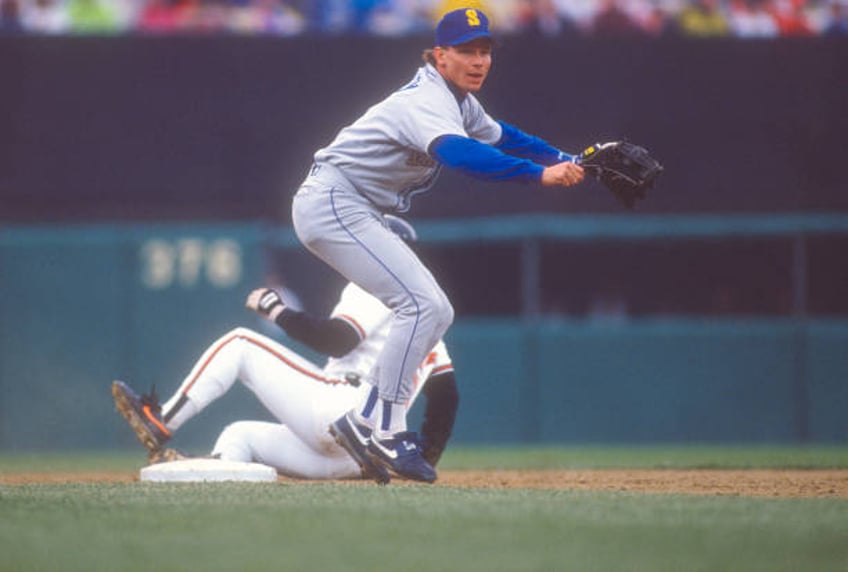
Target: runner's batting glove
{"points": [[266, 302]]}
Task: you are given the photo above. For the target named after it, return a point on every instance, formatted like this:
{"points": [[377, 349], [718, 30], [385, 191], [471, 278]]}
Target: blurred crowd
{"points": [[651, 18]]}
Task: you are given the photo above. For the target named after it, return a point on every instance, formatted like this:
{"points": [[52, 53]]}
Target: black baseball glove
{"points": [[627, 170]]}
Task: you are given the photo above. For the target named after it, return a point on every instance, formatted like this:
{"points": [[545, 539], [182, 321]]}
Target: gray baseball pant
{"points": [[345, 230]]}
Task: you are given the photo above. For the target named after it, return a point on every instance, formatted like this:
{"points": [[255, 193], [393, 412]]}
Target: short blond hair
{"points": [[428, 56]]}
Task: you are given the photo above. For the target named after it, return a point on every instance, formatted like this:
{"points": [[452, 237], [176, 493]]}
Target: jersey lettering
{"points": [[473, 17]]}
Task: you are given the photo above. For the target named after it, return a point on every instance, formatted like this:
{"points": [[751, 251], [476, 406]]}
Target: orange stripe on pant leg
{"points": [[268, 349], [293, 365], [206, 363]]}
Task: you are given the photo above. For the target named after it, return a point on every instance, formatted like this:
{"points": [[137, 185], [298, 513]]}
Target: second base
{"points": [[208, 470]]}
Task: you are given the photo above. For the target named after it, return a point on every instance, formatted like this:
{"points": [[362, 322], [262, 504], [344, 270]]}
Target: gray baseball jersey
{"points": [[384, 153]]}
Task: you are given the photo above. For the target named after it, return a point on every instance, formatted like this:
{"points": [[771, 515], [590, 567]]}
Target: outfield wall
{"points": [[82, 305], [148, 128]]}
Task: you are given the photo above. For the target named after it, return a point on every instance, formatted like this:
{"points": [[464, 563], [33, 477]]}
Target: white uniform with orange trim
{"points": [[372, 320], [303, 397]]}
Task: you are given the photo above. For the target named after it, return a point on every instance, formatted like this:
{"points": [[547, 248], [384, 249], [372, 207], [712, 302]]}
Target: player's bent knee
{"points": [[242, 332], [448, 313], [233, 443], [436, 310], [443, 313], [432, 311], [446, 319]]}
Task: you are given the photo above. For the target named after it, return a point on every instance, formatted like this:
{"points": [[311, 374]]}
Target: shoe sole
{"points": [[125, 407], [370, 470], [379, 461]]}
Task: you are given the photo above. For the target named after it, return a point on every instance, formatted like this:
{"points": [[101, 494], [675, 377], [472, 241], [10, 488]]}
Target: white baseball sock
{"points": [[391, 419]]}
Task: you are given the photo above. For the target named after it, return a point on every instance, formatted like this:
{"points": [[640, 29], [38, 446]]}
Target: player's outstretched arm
{"points": [[329, 336], [487, 162], [516, 142]]}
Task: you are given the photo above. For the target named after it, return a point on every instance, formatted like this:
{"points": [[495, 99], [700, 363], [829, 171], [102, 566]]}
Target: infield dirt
{"points": [[755, 482]]}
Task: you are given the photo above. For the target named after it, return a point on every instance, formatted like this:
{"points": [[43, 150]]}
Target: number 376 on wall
{"points": [[190, 263]]}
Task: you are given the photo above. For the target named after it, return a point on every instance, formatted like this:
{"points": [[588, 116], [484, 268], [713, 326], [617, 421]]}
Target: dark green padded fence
{"points": [[82, 305], [664, 380]]}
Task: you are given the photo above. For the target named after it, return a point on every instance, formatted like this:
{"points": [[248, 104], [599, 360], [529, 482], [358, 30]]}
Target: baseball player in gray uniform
{"points": [[304, 398], [375, 166]]}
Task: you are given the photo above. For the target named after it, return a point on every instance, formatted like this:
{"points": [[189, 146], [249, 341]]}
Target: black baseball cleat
{"points": [[143, 413], [402, 454], [354, 438]]}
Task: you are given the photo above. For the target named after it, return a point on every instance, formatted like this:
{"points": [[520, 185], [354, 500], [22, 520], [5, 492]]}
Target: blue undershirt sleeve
{"points": [[520, 144], [483, 161]]}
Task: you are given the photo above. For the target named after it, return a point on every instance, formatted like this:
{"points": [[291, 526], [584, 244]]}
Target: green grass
{"points": [[59, 462], [332, 526]]}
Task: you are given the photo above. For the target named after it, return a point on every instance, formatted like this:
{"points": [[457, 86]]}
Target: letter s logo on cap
{"points": [[473, 17]]}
